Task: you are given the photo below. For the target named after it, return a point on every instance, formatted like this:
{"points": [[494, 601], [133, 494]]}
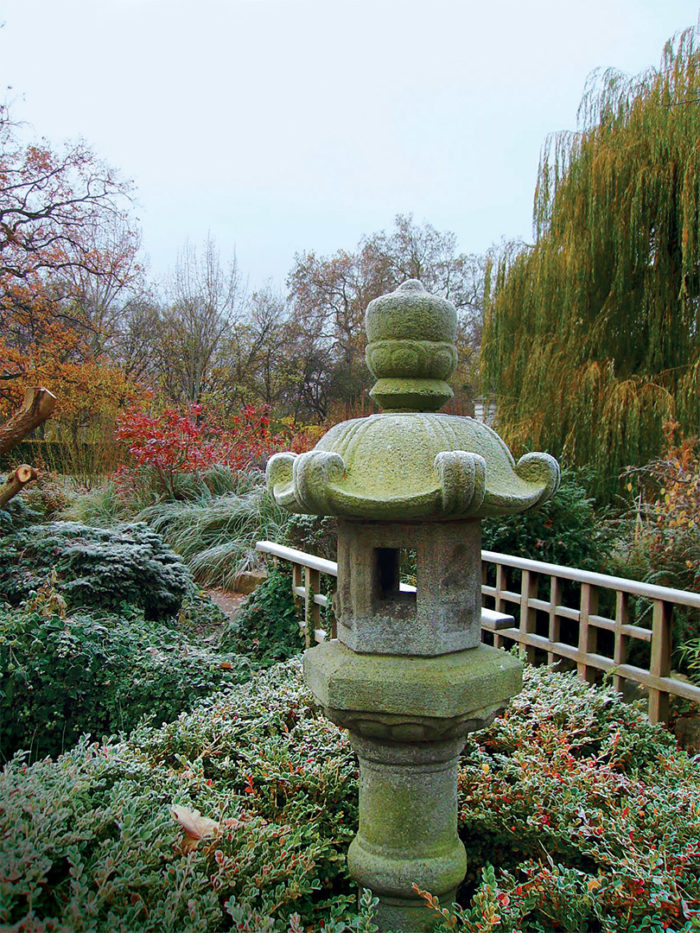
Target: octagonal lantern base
{"points": [[460, 691]]}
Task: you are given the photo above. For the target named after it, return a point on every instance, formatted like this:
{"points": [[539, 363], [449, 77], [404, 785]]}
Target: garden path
{"points": [[229, 602]]}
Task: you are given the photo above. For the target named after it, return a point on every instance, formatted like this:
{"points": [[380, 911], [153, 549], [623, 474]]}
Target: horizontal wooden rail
{"points": [[556, 615], [647, 590]]}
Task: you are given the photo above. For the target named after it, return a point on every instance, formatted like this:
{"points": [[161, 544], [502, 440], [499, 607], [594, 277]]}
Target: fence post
{"points": [[528, 615], [501, 584], [312, 615], [296, 582], [622, 614], [554, 622], [587, 634], [660, 665]]}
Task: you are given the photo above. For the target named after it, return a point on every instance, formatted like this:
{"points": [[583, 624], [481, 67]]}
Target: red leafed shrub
{"points": [[578, 815], [170, 443], [176, 442]]}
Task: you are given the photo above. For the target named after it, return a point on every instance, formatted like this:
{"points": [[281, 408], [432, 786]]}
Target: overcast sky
{"points": [[287, 125]]}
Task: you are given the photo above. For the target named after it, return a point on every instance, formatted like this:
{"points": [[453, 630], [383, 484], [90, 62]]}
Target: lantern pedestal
{"points": [[408, 718]]}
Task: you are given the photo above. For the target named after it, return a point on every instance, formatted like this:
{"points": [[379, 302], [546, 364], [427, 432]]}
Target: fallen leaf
{"points": [[196, 827]]}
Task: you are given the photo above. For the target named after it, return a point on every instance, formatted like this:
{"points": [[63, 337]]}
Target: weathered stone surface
{"points": [[392, 849], [422, 466], [411, 348], [408, 675], [471, 684], [248, 581], [375, 615]]}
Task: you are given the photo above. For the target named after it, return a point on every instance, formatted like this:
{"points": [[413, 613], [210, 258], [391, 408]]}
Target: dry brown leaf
{"points": [[196, 827]]}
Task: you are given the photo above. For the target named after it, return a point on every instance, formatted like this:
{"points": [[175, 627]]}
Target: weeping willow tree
{"points": [[591, 337]]}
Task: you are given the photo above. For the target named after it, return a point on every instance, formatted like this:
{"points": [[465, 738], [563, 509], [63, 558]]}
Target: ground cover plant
{"points": [[577, 815], [267, 627], [90, 840], [99, 672]]}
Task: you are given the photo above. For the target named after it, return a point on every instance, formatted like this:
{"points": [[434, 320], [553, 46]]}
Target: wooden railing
{"points": [[600, 624]]}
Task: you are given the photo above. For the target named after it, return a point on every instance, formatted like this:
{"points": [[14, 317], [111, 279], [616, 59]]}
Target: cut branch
{"points": [[36, 408], [15, 482]]}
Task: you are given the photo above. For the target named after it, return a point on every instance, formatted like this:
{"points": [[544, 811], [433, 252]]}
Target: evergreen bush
{"points": [[96, 672], [565, 530], [266, 629], [99, 567]]}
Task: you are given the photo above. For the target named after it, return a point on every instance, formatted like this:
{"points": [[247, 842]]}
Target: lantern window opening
{"points": [[393, 565]]}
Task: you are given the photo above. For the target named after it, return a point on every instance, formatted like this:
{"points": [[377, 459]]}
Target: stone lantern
{"points": [[408, 675]]}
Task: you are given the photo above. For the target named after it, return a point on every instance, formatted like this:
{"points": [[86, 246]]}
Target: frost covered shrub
{"points": [[100, 567], [89, 843], [96, 673], [16, 514], [578, 815]]}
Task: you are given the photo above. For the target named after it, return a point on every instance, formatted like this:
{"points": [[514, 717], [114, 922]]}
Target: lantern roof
{"points": [[411, 462]]}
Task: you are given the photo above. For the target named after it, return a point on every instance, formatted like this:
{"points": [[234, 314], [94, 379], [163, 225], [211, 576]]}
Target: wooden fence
{"points": [[558, 613]]}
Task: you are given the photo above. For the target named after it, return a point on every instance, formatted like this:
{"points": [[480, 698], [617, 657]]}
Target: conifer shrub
{"points": [[577, 813], [16, 514], [94, 567]]}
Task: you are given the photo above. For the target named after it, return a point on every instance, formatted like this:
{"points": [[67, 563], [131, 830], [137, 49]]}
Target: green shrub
{"points": [[315, 534], [98, 567], [267, 626], [97, 673], [16, 514], [589, 813], [565, 530], [577, 814], [88, 842]]}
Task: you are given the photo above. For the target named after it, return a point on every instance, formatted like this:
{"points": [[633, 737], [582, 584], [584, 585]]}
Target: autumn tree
{"points": [[205, 304], [67, 262], [57, 211], [591, 335]]}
